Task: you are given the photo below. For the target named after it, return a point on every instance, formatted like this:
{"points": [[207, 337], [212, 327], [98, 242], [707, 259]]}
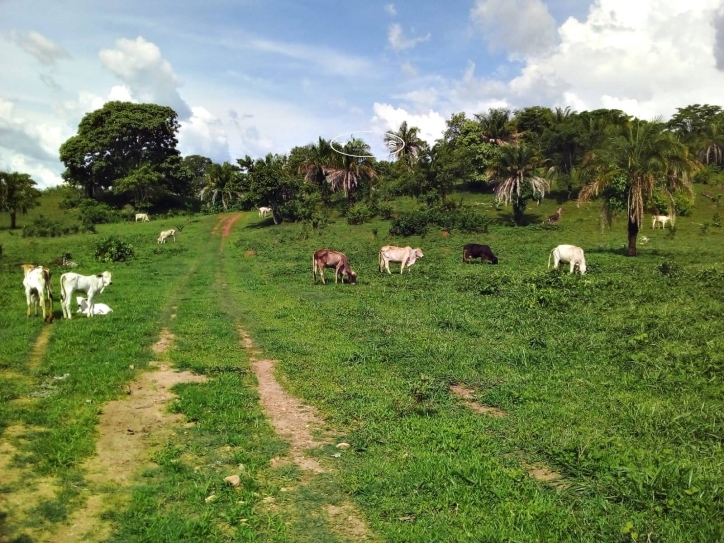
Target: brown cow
{"points": [[557, 215], [324, 258]]}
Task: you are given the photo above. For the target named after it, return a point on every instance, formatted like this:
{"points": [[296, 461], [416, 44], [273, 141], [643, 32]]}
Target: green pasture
{"points": [[613, 380]]}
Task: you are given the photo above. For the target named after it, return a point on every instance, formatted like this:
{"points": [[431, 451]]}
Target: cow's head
{"points": [[106, 279], [352, 276], [494, 259], [582, 266], [418, 253]]}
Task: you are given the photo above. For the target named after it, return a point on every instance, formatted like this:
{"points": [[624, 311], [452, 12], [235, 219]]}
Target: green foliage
{"points": [[683, 204], [716, 219], [72, 197], [17, 194], [93, 212], [43, 227], [359, 214], [413, 223], [446, 217], [113, 249]]}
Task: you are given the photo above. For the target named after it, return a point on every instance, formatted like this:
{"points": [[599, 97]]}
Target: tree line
{"points": [[125, 154]]}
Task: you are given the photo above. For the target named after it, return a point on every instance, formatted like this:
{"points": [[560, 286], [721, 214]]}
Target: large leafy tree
{"points": [[350, 166], [405, 143], [631, 166], [268, 181], [195, 167], [117, 139], [17, 194], [519, 173]]}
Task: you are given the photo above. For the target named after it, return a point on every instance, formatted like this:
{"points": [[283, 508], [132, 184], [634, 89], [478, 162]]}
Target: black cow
{"points": [[483, 252]]}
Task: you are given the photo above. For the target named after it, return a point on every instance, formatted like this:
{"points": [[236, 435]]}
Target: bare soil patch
{"points": [[467, 395], [250, 253], [544, 474], [41, 345], [165, 341], [229, 224], [345, 522]]}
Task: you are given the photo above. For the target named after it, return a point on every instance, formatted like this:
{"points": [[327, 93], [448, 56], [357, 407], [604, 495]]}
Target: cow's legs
{"points": [[28, 299], [573, 265], [387, 266]]}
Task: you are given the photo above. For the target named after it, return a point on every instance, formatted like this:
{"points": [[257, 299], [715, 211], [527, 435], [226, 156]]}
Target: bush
{"points": [[384, 210], [683, 205], [113, 249], [43, 227], [414, 223], [359, 214], [72, 197], [448, 217], [93, 212]]}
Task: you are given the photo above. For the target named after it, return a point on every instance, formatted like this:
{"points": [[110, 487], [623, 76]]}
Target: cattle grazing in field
{"points": [[660, 219], [98, 309], [167, 234], [568, 254], [90, 284], [264, 210], [143, 217], [405, 255], [483, 252], [38, 290], [556, 216], [324, 258]]}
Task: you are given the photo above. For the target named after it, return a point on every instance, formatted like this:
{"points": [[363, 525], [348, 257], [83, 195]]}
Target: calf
{"points": [[568, 254], [407, 256], [90, 284], [143, 217], [167, 234], [660, 219], [98, 309], [264, 210], [324, 258], [37, 290], [483, 252], [556, 216]]}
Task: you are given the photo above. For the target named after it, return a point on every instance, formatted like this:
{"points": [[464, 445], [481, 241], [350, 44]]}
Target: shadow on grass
{"points": [[261, 224]]}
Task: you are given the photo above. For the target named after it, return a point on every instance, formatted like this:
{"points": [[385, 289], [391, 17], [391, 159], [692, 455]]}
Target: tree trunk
{"points": [[633, 232], [13, 216]]}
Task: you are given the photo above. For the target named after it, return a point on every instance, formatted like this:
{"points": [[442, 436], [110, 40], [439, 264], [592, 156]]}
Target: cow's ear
{"points": [[100, 275]]}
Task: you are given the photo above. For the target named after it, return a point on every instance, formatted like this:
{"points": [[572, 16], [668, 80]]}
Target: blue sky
{"points": [[251, 77]]}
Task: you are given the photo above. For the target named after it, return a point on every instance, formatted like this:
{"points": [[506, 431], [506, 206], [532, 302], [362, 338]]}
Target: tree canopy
{"points": [[17, 194]]}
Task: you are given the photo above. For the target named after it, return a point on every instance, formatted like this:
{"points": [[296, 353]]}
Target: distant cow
{"points": [[556, 216], [324, 258], [167, 234], [143, 217], [568, 254], [660, 219], [405, 255], [483, 252], [264, 210]]}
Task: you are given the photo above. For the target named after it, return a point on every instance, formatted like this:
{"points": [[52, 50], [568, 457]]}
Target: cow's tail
{"points": [[63, 293], [379, 264], [48, 285], [549, 259]]}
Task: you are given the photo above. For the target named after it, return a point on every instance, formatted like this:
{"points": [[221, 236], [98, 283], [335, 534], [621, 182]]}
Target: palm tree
{"points": [[405, 144], [320, 156], [519, 173], [220, 181], [17, 194], [351, 164], [632, 165], [495, 125], [710, 143]]}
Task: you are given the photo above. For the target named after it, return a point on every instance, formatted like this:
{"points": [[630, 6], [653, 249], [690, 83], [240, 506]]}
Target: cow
{"points": [[38, 290], [483, 252], [568, 254], [98, 309], [143, 217], [264, 210], [167, 234], [556, 216], [324, 258], [660, 219], [90, 284], [405, 255]]}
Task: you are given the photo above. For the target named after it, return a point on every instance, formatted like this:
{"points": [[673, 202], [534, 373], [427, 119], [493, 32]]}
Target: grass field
{"points": [[610, 385]]}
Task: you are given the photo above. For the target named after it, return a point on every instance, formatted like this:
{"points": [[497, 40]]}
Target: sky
{"points": [[250, 77]]}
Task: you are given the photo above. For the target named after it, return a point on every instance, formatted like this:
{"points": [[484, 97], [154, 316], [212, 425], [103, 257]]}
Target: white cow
{"points": [[264, 210], [406, 255], [98, 309], [143, 217], [90, 284], [568, 254], [167, 234], [660, 219], [37, 290]]}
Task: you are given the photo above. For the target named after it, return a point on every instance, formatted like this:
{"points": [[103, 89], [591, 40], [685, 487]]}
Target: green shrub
{"points": [[448, 217], [414, 223], [359, 214], [113, 249], [683, 205], [43, 227], [716, 220], [384, 210], [94, 212]]}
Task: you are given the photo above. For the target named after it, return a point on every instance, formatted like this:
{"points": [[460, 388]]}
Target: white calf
{"points": [[264, 210], [143, 217], [406, 255], [37, 290], [568, 254], [90, 284], [660, 219], [98, 309], [167, 234]]}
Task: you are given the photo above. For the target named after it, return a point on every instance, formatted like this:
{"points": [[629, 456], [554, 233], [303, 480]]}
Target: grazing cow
{"points": [[483, 252], [90, 284], [264, 210], [660, 219], [98, 309], [568, 254], [405, 255], [167, 234], [324, 258], [556, 216], [143, 217], [38, 289]]}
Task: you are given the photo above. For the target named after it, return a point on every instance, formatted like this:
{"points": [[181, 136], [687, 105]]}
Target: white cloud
{"points": [[398, 41], [43, 49], [431, 124], [120, 93], [390, 8], [719, 38], [147, 75], [408, 69], [203, 134], [521, 27]]}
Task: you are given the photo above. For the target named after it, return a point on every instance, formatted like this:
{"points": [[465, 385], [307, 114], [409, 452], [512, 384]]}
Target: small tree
{"points": [[17, 194]]}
